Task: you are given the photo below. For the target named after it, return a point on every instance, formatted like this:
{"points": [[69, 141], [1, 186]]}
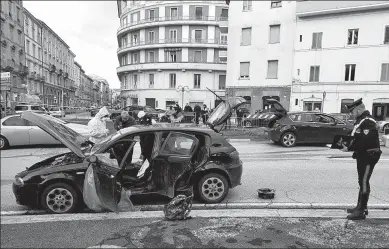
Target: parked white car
{"points": [[32, 108], [382, 125], [16, 131], [57, 112]]}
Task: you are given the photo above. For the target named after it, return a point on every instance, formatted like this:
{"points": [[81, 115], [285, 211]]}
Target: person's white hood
{"points": [[102, 112], [97, 126]]}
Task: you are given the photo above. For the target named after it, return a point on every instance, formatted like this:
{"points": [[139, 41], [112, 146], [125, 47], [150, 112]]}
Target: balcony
{"points": [[204, 43], [217, 65], [172, 20]]}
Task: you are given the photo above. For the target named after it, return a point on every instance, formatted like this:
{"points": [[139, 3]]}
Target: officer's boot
{"points": [[351, 210], [359, 213]]}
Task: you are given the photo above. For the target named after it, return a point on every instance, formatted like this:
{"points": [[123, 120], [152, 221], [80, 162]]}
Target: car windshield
{"points": [[108, 139], [55, 109], [21, 108]]}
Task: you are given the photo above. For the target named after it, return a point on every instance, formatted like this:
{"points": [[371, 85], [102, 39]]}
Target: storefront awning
{"points": [[381, 101]]}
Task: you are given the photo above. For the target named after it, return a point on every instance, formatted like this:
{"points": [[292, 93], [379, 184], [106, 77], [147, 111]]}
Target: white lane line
{"points": [[230, 213]]}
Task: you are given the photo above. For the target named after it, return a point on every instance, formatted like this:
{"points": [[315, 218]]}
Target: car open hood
{"points": [[224, 110], [59, 131]]}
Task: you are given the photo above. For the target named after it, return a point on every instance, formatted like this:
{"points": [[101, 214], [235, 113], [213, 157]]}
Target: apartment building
{"points": [[102, 86], [171, 51], [13, 67], [77, 81], [260, 51], [86, 94], [341, 54]]}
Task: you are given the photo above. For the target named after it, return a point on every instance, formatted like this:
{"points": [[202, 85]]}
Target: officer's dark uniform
{"points": [[366, 147]]}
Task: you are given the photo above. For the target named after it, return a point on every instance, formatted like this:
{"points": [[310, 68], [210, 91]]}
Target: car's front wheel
{"points": [[288, 139], [212, 188], [59, 198], [4, 144]]}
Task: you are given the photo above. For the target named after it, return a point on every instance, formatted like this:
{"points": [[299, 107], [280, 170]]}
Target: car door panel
{"points": [[169, 166], [15, 130], [108, 188], [39, 136]]}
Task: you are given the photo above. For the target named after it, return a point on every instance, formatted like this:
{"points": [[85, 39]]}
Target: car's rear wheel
{"points": [[59, 198], [247, 123], [212, 188], [4, 144], [288, 139]]}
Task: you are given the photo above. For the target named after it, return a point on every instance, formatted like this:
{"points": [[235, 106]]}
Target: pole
{"points": [[43, 83], [182, 100]]}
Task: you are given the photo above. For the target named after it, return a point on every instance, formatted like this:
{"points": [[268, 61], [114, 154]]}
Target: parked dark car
{"points": [[178, 156], [294, 128]]}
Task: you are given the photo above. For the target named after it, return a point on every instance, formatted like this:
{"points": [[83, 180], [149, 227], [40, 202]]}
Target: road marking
{"points": [[230, 213]]}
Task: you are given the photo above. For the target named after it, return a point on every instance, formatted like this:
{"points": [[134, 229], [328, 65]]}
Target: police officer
{"points": [[366, 147]]}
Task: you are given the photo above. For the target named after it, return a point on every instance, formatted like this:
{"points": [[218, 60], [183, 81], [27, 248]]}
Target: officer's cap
{"points": [[356, 103]]}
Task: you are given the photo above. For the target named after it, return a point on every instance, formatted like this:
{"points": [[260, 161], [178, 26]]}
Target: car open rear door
{"points": [[173, 162]]}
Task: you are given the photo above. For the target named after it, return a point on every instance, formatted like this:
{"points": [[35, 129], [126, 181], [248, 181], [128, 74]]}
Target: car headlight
{"points": [[19, 181]]}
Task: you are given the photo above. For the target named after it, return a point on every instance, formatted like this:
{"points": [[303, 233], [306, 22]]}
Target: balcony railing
{"points": [[173, 41], [174, 18]]}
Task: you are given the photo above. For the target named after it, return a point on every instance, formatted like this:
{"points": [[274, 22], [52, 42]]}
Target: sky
{"points": [[89, 28]]}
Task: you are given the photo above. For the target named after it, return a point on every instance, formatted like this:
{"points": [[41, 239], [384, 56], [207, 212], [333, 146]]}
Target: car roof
{"points": [[167, 127]]}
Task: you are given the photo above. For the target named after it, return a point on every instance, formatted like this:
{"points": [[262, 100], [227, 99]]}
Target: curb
{"points": [[224, 206], [239, 140]]}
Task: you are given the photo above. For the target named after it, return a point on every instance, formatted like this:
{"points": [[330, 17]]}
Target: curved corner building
{"points": [[171, 51]]}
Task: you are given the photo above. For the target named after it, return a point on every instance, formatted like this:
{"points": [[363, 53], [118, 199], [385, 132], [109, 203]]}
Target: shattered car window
{"points": [[178, 144]]}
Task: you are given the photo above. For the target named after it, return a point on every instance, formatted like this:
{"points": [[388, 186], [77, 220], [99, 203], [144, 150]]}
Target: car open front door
{"points": [[173, 162], [106, 170]]}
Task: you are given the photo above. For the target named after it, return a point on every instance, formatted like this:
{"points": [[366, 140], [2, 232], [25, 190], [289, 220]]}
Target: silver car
{"points": [[16, 131], [382, 125]]}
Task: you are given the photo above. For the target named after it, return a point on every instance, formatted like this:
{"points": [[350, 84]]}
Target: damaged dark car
{"points": [[157, 159]]}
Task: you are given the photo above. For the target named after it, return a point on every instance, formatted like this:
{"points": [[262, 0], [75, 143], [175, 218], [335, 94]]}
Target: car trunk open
{"points": [[268, 118], [223, 111]]}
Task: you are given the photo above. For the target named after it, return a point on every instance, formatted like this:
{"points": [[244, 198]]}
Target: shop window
{"points": [[343, 104]]}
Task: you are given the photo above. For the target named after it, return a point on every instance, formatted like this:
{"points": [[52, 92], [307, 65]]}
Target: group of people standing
{"points": [[199, 112]]}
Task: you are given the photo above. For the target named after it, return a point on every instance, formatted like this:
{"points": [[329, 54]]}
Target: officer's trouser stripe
{"points": [[364, 181]]}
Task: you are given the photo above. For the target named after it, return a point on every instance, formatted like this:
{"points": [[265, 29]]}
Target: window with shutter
{"points": [[350, 72], [247, 5], [198, 36], [199, 13], [151, 80], [272, 69], [316, 40], [246, 37], [385, 72], [222, 82], [151, 57], [197, 79], [386, 36], [274, 36], [244, 70], [352, 37], [276, 4], [314, 74], [197, 56], [172, 80]]}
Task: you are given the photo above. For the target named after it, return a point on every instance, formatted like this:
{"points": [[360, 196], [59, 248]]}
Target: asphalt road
{"points": [[303, 174], [197, 233]]}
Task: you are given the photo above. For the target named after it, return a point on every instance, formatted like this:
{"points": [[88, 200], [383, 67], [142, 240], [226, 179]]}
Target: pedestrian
{"points": [[145, 118], [188, 108], [124, 120], [97, 126], [366, 147], [239, 115], [197, 110], [205, 113]]}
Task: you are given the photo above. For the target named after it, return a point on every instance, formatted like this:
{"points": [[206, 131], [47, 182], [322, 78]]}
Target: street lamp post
{"points": [[182, 89]]}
